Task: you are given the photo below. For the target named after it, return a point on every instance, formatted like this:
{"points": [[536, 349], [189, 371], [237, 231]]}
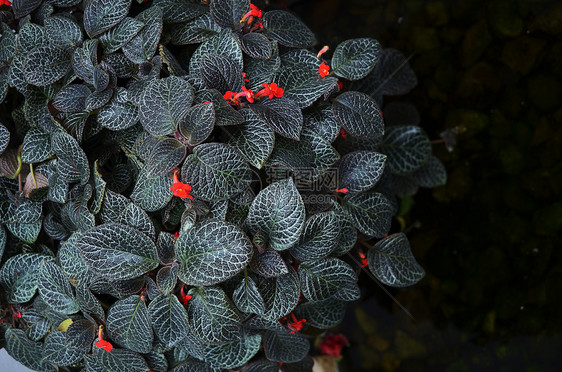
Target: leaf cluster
{"points": [[108, 99]]}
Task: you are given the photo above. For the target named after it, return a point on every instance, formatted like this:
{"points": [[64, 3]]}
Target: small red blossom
{"points": [[322, 51], [231, 97], [184, 298], [343, 133], [101, 343], [177, 234], [340, 85], [343, 191], [364, 261], [244, 76], [248, 93], [17, 314], [333, 344], [254, 12], [180, 189], [5, 2], [271, 90], [296, 325], [324, 69]]}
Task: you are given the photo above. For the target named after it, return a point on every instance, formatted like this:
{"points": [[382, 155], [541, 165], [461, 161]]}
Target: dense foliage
{"points": [[186, 186]]}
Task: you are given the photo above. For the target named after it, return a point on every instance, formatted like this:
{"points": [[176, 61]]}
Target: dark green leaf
{"points": [[4, 138], [431, 174], [256, 45], [393, 73], [323, 122], [72, 98], [36, 146], [260, 71], [85, 59], [28, 232], [19, 274], [301, 85], [152, 194], [72, 164], [229, 13], [115, 38], [224, 43], [180, 10], [30, 36], [165, 156], [57, 350], [118, 115], [196, 31], [348, 233], [361, 170], [45, 65], [282, 115], [407, 148], [135, 217], [268, 264], [328, 277], [143, 46], [128, 324], [101, 15], [285, 347], [119, 360], [164, 103], [71, 262], [247, 297], [278, 211], [224, 113], [55, 289], [324, 314], [117, 251], [287, 29], [97, 99], [167, 278], [88, 302], [216, 171], [392, 262], [253, 138], [371, 213], [22, 8], [318, 238], [63, 31], [198, 124], [354, 59], [212, 252], [233, 354], [212, 317], [7, 43], [220, 72], [308, 159], [81, 333], [24, 350], [358, 114], [169, 319], [281, 294]]}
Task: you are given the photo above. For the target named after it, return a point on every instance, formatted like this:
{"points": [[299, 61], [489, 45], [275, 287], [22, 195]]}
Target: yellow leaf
{"points": [[64, 325]]}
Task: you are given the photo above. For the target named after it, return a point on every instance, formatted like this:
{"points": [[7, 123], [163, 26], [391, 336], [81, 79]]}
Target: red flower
{"points": [[254, 11], [324, 69], [340, 85], [343, 133], [184, 298], [296, 325], [177, 234], [101, 343], [322, 51], [271, 90], [343, 191], [180, 189], [231, 97], [332, 345], [364, 261], [16, 314], [5, 2], [248, 93]]}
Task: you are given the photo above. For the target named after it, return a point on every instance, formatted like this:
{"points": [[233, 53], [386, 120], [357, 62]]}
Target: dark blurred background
{"points": [[490, 239]]}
